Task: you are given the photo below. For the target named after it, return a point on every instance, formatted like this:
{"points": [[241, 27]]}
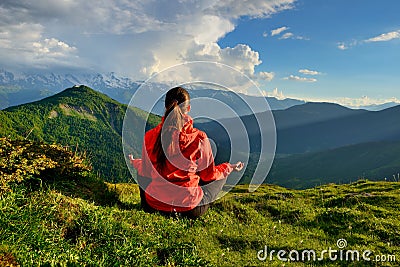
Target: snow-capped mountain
{"points": [[19, 88], [61, 81], [378, 107]]}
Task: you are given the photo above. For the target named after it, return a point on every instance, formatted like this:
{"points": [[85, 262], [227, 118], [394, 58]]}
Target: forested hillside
{"points": [[82, 119]]}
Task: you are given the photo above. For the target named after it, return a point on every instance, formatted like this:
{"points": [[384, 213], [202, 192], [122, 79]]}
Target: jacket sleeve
{"points": [[144, 166], [137, 164], [207, 170]]}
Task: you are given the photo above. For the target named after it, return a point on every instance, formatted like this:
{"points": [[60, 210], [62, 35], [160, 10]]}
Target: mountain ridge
{"points": [[307, 134], [373, 160]]}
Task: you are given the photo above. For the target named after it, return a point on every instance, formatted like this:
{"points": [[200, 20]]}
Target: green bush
{"points": [[22, 160]]}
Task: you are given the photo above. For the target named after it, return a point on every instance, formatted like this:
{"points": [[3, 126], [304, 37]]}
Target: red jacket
{"points": [[176, 188]]}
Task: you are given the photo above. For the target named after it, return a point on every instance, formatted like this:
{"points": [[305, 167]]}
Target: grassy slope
{"points": [[64, 223]]}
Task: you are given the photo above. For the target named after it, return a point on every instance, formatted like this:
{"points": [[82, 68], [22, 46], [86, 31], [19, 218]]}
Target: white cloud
{"points": [[23, 45], [301, 38], [348, 45], [385, 37], [254, 9], [300, 79], [356, 102], [14, 35], [241, 57], [342, 46], [133, 38], [265, 34], [52, 47], [290, 35], [286, 36], [364, 101], [309, 72], [275, 93], [279, 30], [209, 29], [266, 76]]}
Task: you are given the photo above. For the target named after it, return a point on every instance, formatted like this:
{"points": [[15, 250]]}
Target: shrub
{"points": [[22, 160]]}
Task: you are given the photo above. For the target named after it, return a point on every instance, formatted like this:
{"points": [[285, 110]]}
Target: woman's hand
{"points": [[238, 166]]}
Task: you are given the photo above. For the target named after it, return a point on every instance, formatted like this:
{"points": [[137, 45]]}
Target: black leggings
{"points": [[210, 193]]}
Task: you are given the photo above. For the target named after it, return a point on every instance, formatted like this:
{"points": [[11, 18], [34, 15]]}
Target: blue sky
{"points": [[339, 51], [329, 37]]}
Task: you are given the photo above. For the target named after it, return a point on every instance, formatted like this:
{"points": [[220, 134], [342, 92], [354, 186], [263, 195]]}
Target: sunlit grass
{"points": [[44, 226]]}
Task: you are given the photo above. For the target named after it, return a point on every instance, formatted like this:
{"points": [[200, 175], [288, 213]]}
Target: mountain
{"points": [[323, 133], [281, 104], [16, 89], [20, 88], [287, 122], [81, 118], [237, 101], [317, 126], [344, 127], [375, 161], [311, 113], [319, 143]]}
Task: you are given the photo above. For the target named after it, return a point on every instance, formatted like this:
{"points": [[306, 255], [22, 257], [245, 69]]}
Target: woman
{"points": [[177, 172]]}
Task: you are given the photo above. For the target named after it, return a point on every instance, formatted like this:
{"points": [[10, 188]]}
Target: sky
{"points": [[344, 51]]}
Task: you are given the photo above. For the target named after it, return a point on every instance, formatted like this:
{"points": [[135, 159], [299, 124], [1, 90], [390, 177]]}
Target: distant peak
{"points": [[78, 91], [325, 105], [79, 88]]}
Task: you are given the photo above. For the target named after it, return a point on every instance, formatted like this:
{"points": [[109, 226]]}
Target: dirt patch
{"points": [[78, 111], [53, 114]]}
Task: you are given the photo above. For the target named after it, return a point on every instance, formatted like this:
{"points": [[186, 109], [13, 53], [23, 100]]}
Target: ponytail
{"points": [[176, 104]]}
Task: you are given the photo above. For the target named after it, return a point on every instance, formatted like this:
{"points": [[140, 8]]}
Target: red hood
{"points": [[188, 134]]}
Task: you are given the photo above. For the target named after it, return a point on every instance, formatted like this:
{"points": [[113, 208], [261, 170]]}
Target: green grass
{"points": [[55, 212], [63, 224]]}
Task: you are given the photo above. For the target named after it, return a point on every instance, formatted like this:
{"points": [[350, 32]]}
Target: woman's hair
{"points": [[176, 105]]}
